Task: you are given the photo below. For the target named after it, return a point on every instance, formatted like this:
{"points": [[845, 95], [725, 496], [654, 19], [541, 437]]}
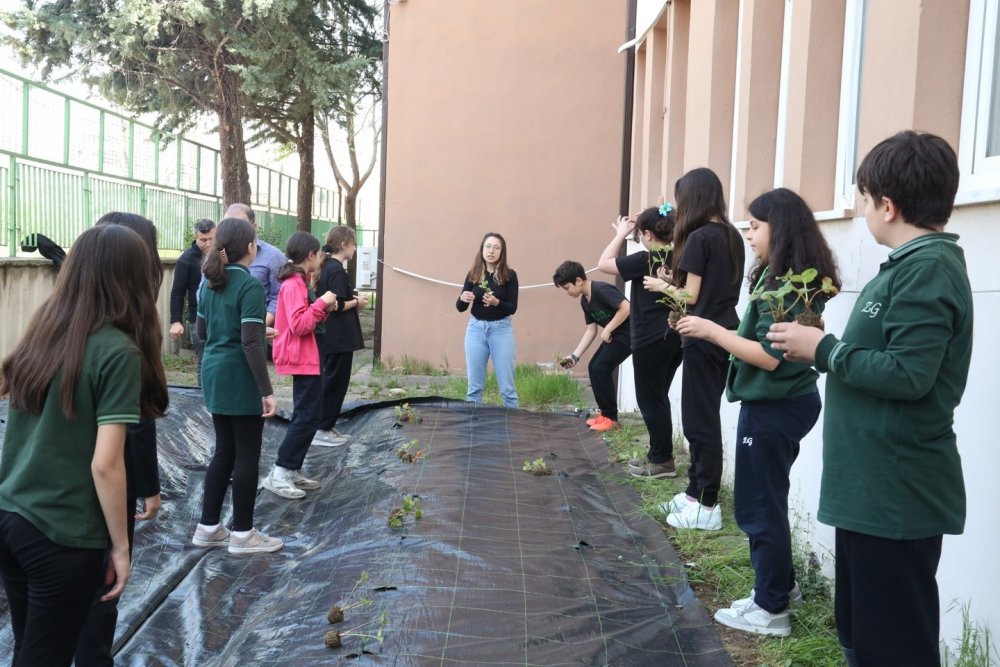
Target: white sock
{"points": [[242, 534], [208, 529]]}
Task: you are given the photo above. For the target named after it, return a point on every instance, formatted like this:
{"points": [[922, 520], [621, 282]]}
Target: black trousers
{"points": [[237, 455], [886, 599], [307, 393], [50, 589], [702, 383], [767, 443], [336, 379], [653, 368], [601, 368]]}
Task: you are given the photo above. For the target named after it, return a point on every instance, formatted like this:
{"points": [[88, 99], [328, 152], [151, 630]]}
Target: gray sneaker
{"points": [[210, 538], [330, 438], [756, 620], [298, 479], [654, 470], [794, 599], [254, 543]]}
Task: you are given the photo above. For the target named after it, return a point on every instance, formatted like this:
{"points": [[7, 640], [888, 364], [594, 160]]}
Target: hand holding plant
{"points": [[801, 287]]}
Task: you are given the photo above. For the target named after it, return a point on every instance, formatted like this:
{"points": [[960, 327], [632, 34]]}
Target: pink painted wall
{"points": [[506, 117]]}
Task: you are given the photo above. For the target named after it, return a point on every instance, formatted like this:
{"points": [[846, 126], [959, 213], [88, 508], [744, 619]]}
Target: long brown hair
{"points": [[701, 201], [234, 236], [300, 245], [145, 228], [478, 271], [105, 280]]}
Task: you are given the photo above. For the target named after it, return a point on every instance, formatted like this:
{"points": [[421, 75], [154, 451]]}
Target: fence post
{"points": [[100, 143], [25, 107], [66, 117], [12, 206], [87, 215], [131, 151]]}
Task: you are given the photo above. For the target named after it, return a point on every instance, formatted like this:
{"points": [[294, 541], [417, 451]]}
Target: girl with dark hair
{"points": [[491, 289], [656, 349], [299, 320], [707, 264], [142, 476], [62, 470], [343, 335], [236, 385], [780, 403]]}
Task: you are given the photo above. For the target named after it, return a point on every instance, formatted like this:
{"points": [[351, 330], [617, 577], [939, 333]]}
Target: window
{"points": [[850, 102], [979, 145]]}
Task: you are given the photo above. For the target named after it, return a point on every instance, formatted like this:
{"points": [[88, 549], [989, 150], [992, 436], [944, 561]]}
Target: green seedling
{"points": [[794, 289], [537, 467], [410, 507], [336, 614], [405, 413], [334, 639], [409, 453], [677, 302], [484, 284]]}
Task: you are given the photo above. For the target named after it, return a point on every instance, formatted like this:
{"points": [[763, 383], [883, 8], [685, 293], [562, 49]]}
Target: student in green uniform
{"points": [[62, 472], [780, 402], [237, 387], [892, 482]]}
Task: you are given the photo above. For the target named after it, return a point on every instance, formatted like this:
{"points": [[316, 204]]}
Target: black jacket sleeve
{"points": [[509, 305], [178, 289], [461, 305]]}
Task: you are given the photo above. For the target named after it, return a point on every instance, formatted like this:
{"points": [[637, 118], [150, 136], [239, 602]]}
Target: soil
{"points": [[674, 317], [335, 615], [332, 639], [809, 319]]}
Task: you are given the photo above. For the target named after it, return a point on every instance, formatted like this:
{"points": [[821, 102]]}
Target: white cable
{"points": [[445, 282]]}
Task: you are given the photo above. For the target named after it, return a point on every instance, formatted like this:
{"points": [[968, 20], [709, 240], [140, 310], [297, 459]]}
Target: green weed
{"points": [[975, 648]]}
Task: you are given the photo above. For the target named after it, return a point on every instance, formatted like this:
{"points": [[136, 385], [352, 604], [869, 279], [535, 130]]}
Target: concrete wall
{"points": [[26, 283], [505, 117]]}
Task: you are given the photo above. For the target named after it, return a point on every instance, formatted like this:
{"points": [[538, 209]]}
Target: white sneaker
{"points": [[279, 483], [301, 481], [756, 620], [676, 504], [794, 599], [210, 537], [698, 517], [255, 542]]}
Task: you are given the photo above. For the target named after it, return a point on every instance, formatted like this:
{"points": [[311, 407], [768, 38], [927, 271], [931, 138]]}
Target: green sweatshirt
{"points": [[891, 466]]}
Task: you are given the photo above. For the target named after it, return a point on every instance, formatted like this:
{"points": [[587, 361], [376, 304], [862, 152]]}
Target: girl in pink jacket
{"points": [[299, 321]]}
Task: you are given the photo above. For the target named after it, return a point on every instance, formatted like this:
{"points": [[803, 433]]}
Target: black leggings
{"points": [[237, 455]]}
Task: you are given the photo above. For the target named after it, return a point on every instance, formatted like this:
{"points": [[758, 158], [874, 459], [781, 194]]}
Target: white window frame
{"points": [[850, 98], [980, 179]]}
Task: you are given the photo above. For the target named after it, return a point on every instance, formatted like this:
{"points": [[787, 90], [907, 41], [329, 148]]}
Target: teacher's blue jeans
{"points": [[484, 339]]}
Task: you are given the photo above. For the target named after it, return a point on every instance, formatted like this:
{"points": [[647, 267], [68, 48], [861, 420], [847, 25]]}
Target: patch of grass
{"points": [[718, 563], [975, 648], [179, 363], [406, 366], [535, 388]]}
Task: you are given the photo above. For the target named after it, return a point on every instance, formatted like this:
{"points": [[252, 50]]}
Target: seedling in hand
{"points": [[798, 286]]}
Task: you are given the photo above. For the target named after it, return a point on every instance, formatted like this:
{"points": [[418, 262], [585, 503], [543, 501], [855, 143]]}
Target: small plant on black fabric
{"points": [[334, 638], [405, 413], [409, 453], [336, 613], [537, 467], [410, 507]]}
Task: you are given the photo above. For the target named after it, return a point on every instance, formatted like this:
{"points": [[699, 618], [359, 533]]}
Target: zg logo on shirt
{"points": [[872, 308], [748, 440]]}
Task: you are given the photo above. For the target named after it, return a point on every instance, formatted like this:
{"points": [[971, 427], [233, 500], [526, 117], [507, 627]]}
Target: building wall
{"points": [[505, 117], [793, 93]]}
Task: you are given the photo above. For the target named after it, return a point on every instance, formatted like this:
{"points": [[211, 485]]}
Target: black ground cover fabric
{"points": [[503, 568]]}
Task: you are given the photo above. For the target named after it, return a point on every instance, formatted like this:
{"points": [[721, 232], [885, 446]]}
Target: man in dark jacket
{"points": [[187, 277]]}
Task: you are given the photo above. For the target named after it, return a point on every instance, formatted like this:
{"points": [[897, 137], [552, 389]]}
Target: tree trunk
{"points": [[232, 150], [307, 174], [350, 207]]}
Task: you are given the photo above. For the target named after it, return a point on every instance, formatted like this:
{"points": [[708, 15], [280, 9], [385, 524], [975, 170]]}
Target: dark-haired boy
{"points": [[892, 480], [603, 306]]}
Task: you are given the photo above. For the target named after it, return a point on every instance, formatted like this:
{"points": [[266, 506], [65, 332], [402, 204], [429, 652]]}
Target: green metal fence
{"points": [[64, 162]]}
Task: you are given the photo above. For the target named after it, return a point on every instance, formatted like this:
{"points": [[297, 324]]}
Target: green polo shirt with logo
{"points": [[891, 466], [746, 382], [226, 380], [45, 468]]}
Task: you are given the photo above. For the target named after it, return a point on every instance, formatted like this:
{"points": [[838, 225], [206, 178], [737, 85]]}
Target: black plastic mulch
{"points": [[503, 568]]}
